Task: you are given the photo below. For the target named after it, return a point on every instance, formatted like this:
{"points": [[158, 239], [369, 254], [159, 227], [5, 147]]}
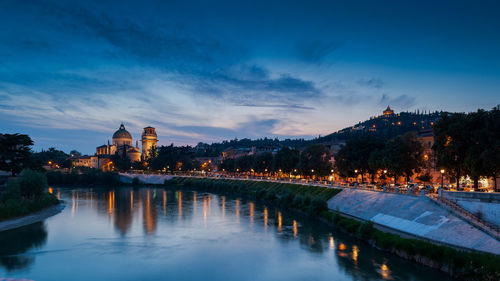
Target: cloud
{"points": [[316, 51], [372, 83], [400, 102]]}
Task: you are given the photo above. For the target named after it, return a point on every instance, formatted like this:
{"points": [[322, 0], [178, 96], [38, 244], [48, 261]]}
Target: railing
{"points": [[472, 219]]}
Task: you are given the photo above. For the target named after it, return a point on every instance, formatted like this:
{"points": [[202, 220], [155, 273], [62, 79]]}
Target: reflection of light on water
{"points": [[58, 194], [237, 210], [194, 202], [179, 196], [355, 252], [295, 229], [252, 209], [164, 202], [111, 199], [51, 191], [131, 201], [205, 211], [266, 215], [223, 206], [73, 204], [332, 243], [312, 241], [280, 222], [385, 272], [342, 247]]}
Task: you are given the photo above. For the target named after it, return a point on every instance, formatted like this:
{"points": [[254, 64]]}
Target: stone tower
{"points": [[149, 139]]}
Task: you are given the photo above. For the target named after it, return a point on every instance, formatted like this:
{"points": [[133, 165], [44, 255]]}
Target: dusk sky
{"points": [[72, 71]]}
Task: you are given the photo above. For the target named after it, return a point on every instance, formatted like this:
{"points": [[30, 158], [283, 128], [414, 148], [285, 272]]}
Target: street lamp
{"points": [[385, 171], [442, 177]]}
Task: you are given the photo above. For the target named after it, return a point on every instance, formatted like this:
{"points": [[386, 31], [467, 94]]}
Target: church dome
{"points": [[122, 133]]}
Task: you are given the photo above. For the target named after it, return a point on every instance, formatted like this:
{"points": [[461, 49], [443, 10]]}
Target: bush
{"points": [[317, 206], [365, 230], [136, 181], [32, 184]]}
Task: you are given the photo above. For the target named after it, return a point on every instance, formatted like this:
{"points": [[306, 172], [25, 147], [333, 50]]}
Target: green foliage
{"points": [[173, 158], [15, 152], [403, 155], [311, 199], [469, 144], [25, 195], [136, 182], [89, 177], [362, 154], [32, 184], [287, 159], [55, 156], [314, 160]]}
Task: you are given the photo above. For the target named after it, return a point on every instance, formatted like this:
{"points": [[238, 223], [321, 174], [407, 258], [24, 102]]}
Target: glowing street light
{"points": [[442, 177]]}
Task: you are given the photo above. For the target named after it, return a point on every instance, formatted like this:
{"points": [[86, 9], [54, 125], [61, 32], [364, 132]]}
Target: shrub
{"points": [[136, 181], [365, 230], [32, 184], [317, 206]]}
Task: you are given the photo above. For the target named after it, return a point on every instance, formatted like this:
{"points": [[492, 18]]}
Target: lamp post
{"points": [[442, 177]]}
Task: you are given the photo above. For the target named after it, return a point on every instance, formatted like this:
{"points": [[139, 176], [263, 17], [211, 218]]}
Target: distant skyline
{"points": [[71, 72]]}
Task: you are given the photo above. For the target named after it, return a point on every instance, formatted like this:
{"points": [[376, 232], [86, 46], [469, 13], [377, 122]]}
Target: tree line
{"points": [[465, 144]]}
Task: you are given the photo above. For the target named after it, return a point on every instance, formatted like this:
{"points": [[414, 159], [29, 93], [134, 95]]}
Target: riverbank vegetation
{"points": [[25, 194], [83, 177], [312, 200]]}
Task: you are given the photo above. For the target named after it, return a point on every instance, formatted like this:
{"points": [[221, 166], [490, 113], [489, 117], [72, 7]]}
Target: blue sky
{"points": [[71, 71]]}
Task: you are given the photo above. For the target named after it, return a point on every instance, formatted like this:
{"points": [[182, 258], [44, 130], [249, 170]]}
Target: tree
{"points": [[74, 153], [15, 152], [315, 160], [245, 163], [287, 159], [52, 156], [483, 155], [121, 162], [32, 184], [264, 162], [403, 155], [451, 142], [355, 155]]}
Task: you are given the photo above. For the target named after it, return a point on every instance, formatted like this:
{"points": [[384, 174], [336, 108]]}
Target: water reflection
{"points": [[15, 243], [150, 213]]}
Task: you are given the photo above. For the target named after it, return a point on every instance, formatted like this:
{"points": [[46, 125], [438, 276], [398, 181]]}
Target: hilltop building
{"points": [[388, 112]]}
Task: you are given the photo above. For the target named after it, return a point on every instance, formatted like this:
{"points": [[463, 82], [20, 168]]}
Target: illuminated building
{"points": [[388, 112], [122, 146], [149, 140]]}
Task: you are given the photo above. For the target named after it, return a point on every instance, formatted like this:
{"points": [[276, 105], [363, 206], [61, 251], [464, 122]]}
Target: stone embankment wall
{"points": [[484, 205], [415, 216], [143, 178]]}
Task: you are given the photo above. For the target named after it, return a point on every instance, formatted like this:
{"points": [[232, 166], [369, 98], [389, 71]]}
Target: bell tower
{"points": [[148, 140]]}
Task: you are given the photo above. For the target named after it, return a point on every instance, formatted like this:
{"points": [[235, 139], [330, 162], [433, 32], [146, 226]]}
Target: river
{"points": [[157, 234]]}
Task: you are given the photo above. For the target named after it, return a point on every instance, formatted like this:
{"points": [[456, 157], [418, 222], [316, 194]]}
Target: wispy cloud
{"points": [[316, 51], [400, 102]]}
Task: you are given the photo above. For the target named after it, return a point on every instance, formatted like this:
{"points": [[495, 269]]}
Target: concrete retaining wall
{"points": [[147, 179], [413, 215], [486, 205]]}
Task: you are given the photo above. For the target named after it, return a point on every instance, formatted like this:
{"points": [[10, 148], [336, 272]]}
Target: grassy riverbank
{"points": [[313, 200], [25, 194]]}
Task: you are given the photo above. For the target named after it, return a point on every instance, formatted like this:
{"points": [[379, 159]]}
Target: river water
{"points": [[158, 234]]}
